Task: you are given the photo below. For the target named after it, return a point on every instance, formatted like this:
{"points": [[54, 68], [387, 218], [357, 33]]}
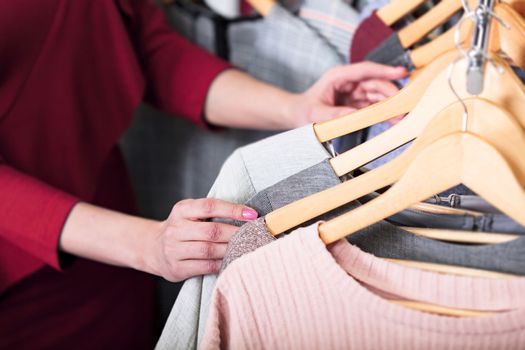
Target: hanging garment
{"points": [[200, 25], [466, 202], [396, 241], [282, 50], [245, 173], [386, 240], [298, 294], [334, 20], [369, 34], [392, 53]]}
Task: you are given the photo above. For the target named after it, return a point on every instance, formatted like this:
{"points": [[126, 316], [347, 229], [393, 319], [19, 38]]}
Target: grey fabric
{"points": [[282, 50], [335, 20], [467, 202], [388, 241], [321, 176], [200, 25], [391, 52], [245, 173]]}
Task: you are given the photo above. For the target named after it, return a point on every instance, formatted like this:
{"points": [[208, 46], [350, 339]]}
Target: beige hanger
{"points": [[510, 41], [503, 88], [434, 17], [397, 9], [403, 102], [460, 158], [462, 236], [263, 7], [440, 310], [452, 270], [485, 119]]}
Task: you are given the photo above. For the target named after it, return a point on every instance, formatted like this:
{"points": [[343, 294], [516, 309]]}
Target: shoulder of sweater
{"points": [[278, 259]]}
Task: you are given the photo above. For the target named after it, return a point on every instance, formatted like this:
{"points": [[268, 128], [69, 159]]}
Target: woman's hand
{"points": [[237, 100], [186, 245], [343, 90], [183, 246]]}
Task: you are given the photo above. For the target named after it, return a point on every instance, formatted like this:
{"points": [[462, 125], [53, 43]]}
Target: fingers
{"points": [[206, 208], [323, 113], [203, 231], [200, 250], [198, 267], [381, 88], [359, 72]]}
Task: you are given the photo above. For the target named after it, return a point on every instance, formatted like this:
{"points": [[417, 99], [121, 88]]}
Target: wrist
{"points": [[290, 112], [145, 247]]}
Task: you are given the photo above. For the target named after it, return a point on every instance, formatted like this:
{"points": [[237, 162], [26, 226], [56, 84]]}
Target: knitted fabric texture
{"points": [[296, 294]]}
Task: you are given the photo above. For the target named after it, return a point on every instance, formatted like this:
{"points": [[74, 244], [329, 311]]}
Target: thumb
{"points": [[323, 113]]}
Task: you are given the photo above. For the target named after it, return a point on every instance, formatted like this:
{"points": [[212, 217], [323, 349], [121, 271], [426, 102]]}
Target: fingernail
{"points": [[249, 214]]}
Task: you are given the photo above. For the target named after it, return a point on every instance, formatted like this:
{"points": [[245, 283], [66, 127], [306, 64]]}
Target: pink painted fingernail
{"points": [[249, 214]]}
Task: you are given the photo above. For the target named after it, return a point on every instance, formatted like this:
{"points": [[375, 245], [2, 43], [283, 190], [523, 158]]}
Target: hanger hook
{"points": [[462, 54]]}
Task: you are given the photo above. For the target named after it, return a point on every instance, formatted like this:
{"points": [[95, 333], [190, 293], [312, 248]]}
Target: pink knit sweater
{"points": [[296, 294]]}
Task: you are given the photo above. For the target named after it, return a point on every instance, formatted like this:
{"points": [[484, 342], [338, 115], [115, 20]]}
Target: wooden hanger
{"points": [[397, 9], [510, 41], [452, 269], [403, 102], [485, 119], [462, 236], [503, 88], [406, 99], [512, 38], [440, 310], [434, 17], [263, 7], [460, 158]]}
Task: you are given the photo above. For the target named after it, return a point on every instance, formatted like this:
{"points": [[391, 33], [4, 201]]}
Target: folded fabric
{"points": [[334, 20], [247, 171], [296, 293], [281, 49]]}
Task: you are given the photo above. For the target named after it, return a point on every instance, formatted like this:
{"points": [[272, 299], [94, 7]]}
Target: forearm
{"points": [[107, 236], [235, 99]]}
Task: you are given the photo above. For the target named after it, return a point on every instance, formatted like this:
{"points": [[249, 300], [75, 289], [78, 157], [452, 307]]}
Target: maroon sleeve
{"points": [[32, 214], [178, 73]]}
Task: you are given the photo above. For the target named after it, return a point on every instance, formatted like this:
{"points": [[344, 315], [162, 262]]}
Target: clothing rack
{"points": [[477, 55]]}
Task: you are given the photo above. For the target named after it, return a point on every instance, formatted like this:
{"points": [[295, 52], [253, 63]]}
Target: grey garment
{"points": [[496, 223], [282, 50], [200, 25], [389, 241], [322, 176], [467, 202], [249, 170], [335, 20], [391, 52]]}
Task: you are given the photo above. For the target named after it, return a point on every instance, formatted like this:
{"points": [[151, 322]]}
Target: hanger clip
{"points": [[478, 53]]}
